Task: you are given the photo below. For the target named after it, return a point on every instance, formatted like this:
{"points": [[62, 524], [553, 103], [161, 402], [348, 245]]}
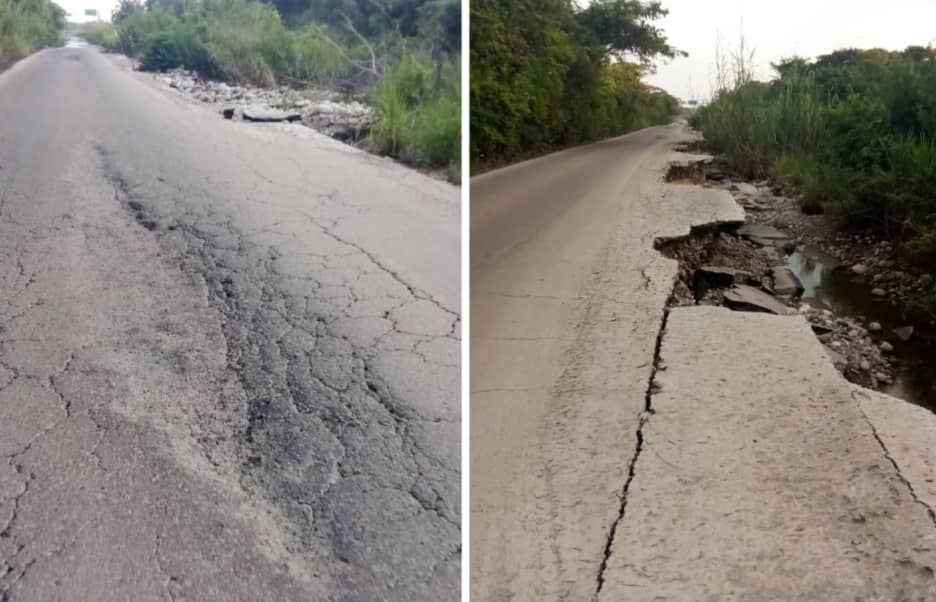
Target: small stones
{"points": [[319, 109], [887, 347], [859, 269], [878, 292], [746, 188], [265, 114], [865, 365], [904, 333], [874, 327]]}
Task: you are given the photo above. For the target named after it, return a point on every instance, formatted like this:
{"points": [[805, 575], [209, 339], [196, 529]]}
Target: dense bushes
{"points": [[406, 60], [545, 73], [27, 25], [855, 127], [419, 111]]}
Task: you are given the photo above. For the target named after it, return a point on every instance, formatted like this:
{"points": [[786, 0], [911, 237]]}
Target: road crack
{"points": [[653, 388]]}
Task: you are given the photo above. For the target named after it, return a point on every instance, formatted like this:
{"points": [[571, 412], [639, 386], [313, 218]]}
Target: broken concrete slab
{"points": [[908, 431], [722, 277], [747, 298], [760, 481], [761, 232], [265, 114], [785, 282]]}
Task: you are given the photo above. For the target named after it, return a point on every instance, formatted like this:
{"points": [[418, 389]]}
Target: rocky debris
{"points": [[763, 235], [713, 276], [904, 333], [869, 260], [745, 188], [887, 347], [785, 282], [725, 254], [838, 360], [846, 337], [747, 298], [265, 114], [322, 110]]}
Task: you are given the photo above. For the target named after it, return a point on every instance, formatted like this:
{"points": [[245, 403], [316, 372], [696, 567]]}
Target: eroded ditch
{"points": [[754, 267]]}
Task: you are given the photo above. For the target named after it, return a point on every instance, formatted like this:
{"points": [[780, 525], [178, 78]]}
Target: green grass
{"points": [[418, 108], [28, 25]]}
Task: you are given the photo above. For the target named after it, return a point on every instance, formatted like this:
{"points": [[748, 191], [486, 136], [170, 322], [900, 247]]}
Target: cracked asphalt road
{"points": [[229, 353]]}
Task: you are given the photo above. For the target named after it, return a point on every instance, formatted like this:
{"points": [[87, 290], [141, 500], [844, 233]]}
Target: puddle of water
{"points": [[849, 295]]}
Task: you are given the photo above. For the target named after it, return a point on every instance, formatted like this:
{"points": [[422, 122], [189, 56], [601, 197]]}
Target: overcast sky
{"points": [[781, 28], [774, 28], [76, 8]]}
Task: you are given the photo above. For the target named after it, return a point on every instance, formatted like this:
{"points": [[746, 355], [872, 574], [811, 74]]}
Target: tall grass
{"points": [[854, 129], [419, 111], [27, 25]]}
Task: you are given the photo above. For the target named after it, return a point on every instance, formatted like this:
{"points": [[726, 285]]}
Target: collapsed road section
{"points": [[630, 442]]}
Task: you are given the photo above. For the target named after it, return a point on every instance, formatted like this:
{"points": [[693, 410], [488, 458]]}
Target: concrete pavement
{"points": [[229, 353], [760, 478], [581, 489]]}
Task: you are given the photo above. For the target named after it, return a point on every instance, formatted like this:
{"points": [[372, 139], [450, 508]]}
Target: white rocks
{"points": [[904, 333], [865, 365], [859, 269], [319, 109], [874, 327], [745, 188], [886, 347], [266, 114], [878, 292]]}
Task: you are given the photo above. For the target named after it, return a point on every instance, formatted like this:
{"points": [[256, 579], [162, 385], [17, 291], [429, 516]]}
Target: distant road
{"points": [[229, 353]]}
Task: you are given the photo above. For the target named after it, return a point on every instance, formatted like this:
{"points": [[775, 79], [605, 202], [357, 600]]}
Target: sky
{"points": [[76, 8], [781, 28], [773, 28]]}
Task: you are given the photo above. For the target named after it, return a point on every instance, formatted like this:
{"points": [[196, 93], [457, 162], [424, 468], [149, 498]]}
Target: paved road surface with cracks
{"points": [[229, 353], [580, 488]]}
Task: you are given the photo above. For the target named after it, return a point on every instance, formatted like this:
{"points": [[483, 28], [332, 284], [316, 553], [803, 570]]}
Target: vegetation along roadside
{"points": [[403, 56], [547, 74], [852, 132], [28, 25]]}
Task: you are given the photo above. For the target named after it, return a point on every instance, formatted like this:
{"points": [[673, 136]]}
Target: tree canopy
{"points": [[546, 73]]}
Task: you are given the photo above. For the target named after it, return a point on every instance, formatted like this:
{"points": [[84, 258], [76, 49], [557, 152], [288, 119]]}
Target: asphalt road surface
{"points": [[621, 451], [229, 353]]}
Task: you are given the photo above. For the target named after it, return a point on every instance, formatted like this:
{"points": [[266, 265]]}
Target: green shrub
{"points": [[853, 126], [27, 25], [418, 108]]}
